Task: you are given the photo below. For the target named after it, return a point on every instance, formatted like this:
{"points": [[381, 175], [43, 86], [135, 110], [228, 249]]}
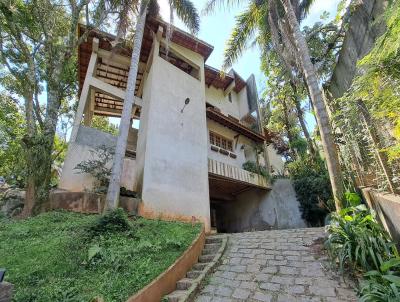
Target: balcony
{"points": [[240, 178]]}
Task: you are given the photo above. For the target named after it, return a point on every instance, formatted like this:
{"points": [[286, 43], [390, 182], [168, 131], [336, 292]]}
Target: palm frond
{"points": [[242, 33], [304, 8], [212, 4], [187, 12], [153, 8]]}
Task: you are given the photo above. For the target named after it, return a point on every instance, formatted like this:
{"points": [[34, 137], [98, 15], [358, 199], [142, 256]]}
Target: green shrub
{"points": [[252, 166], [110, 222], [356, 239], [98, 167], [313, 189], [383, 284], [352, 199]]}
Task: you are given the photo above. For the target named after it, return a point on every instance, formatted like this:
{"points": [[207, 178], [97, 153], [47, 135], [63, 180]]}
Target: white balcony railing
{"points": [[228, 171]]}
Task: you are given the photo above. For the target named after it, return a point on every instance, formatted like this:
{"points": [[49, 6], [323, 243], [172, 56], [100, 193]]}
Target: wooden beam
{"points": [[112, 112], [107, 88]]}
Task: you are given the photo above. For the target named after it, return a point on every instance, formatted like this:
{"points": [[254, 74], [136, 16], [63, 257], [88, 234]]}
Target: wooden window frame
{"points": [[220, 141]]}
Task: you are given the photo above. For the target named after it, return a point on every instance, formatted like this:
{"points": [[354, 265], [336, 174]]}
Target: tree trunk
{"points": [[112, 198], [328, 143], [382, 157], [303, 125], [288, 129], [300, 116], [30, 133]]}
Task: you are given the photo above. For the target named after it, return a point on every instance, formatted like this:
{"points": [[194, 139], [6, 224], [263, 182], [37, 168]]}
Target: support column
{"points": [[88, 115], [85, 93]]}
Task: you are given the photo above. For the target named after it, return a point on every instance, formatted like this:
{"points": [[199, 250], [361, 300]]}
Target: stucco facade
{"points": [[196, 131]]}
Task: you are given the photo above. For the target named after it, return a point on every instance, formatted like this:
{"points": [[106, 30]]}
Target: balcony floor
{"points": [[226, 189]]}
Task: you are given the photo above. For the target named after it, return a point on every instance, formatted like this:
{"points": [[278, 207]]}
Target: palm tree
{"points": [[187, 12], [328, 143], [277, 25]]}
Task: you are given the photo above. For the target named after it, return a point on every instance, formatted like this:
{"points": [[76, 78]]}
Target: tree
{"points": [[328, 143], [102, 123], [12, 130], [187, 12], [38, 44]]}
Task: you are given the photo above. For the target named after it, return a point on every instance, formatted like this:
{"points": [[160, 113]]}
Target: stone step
{"points": [[193, 274], [184, 284], [213, 239], [208, 252], [212, 246], [199, 266], [176, 296], [206, 258]]}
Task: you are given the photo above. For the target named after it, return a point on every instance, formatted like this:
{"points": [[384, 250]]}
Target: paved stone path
{"points": [[276, 266]]}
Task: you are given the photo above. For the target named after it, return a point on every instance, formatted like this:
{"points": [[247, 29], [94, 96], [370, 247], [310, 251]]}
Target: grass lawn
{"points": [[65, 256]]}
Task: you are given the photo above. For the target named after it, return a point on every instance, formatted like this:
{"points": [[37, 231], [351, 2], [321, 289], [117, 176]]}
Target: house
{"points": [[196, 130]]}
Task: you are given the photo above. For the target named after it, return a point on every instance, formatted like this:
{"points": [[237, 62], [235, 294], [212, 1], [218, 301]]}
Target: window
{"points": [[230, 97], [212, 138], [220, 141]]}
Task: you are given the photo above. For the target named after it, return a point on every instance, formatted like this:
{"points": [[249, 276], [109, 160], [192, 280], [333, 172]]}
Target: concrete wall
{"points": [[217, 98], [260, 210], [88, 139], [387, 207], [366, 25], [174, 181]]}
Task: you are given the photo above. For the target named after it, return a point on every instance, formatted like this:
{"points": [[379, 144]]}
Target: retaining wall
{"points": [[387, 207]]}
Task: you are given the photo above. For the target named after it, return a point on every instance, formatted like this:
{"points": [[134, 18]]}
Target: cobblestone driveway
{"points": [[277, 266]]}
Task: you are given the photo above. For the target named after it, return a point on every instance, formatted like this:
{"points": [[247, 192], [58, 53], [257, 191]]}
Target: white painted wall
{"points": [[175, 174], [217, 98], [242, 101]]}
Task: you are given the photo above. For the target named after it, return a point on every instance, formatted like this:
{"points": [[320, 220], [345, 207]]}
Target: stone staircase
{"points": [[187, 286]]}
